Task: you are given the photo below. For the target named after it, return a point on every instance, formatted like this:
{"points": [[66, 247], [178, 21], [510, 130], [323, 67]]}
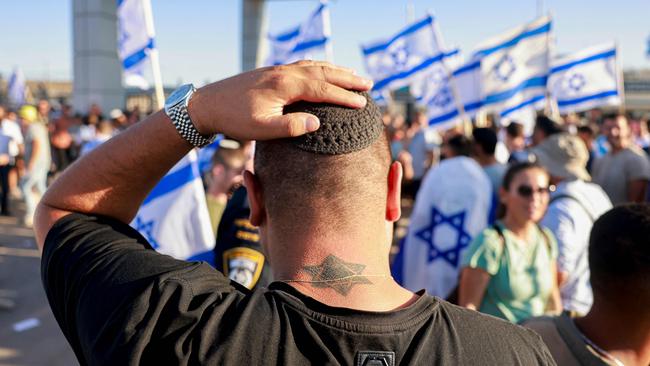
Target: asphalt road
{"points": [[29, 334]]}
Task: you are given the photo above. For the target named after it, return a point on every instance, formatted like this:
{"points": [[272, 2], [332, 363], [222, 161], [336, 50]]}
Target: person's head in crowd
{"points": [[227, 166], [118, 118], [524, 193], [331, 185], [3, 112], [457, 145], [28, 114], [564, 156], [587, 133], [43, 108], [105, 128], [420, 119], [617, 131], [95, 110], [12, 115], [619, 254], [386, 118], [66, 111], [515, 137], [91, 119], [544, 127], [484, 145]]}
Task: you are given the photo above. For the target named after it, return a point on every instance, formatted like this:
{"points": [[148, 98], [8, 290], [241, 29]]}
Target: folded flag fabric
{"points": [[135, 40], [515, 67], [298, 43], [397, 61], [451, 208], [586, 79], [174, 217]]}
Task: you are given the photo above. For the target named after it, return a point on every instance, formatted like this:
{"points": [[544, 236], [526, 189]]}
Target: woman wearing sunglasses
{"points": [[509, 270]]}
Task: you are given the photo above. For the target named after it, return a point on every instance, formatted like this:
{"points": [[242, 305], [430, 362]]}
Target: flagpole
{"points": [[154, 57], [620, 82]]}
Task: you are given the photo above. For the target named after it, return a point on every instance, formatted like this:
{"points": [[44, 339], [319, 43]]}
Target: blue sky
{"points": [[199, 39]]}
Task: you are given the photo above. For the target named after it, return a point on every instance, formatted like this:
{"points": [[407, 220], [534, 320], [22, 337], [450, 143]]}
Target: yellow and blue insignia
{"points": [[243, 265]]}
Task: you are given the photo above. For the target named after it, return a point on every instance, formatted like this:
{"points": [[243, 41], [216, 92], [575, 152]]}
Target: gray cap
{"points": [[342, 130], [563, 155]]}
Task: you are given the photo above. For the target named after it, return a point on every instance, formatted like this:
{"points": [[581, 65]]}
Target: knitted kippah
{"points": [[342, 130]]}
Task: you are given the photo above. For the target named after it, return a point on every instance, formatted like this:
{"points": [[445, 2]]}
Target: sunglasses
{"points": [[527, 191]]}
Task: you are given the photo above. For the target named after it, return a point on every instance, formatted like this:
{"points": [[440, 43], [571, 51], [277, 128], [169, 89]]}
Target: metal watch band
{"points": [[181, 120]]}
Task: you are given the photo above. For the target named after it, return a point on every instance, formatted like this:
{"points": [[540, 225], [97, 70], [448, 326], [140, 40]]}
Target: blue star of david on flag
{"points": [[576, 82], [400, 55], [443, 98], [504, 69], [463, 239], [146, 229]]}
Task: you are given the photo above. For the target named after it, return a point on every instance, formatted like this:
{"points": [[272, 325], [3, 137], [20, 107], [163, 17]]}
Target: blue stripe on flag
{"points": [[606, 54], [137, 56], [402, 75], [173, 181], [310, 44], [414, 28], [119, 2], [538, 81], [447, 116], [523, 104], [203, 257], [466, 68], [605, 94], [544, 28]]}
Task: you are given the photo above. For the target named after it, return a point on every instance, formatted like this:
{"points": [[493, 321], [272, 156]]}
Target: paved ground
{"points": [[29, 335]]}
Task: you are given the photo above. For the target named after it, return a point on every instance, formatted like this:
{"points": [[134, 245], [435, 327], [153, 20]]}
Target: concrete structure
{"points": [[252, 33], [97, 73]]}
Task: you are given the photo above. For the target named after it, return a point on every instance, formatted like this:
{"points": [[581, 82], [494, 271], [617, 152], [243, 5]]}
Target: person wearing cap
{"points": [[118, 118], [38, 158], [624, 172], [325, 203], [573, 208]]}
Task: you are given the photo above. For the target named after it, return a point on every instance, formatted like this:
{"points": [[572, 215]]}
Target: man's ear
{"points": [[255, 198], [217, 170], [394, 198]]}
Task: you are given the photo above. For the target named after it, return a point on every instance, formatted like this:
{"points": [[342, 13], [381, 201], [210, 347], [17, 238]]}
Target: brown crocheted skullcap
{"points": [[342, 130]]}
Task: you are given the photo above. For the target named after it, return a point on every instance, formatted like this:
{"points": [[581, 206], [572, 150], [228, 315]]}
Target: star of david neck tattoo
{"points": [[336, 274]]}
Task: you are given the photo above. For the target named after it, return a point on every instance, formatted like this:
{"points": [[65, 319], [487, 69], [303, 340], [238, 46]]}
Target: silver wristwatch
{"points": [[176, 109]]}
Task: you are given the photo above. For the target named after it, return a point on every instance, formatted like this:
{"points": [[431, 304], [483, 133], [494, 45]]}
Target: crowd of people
{"points": [[550, 232], [38, 142]]}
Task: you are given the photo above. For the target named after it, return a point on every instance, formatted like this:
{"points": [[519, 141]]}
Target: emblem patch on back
{"points": [[375, 358], [243, 265]]}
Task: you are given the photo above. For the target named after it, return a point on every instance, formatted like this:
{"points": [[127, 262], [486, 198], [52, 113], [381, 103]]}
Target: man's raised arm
{"points": [[115, 178]]}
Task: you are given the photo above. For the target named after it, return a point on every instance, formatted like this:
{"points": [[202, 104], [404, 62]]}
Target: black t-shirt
{"points": [[119, 302]]}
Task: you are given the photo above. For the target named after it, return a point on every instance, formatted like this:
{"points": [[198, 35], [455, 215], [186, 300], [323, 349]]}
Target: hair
{"points": [[460, 145], [486, 138], [515, 129], [513, 171], [619, 251], [547, 125], [335, 188], [229, 158], [587, 129]]}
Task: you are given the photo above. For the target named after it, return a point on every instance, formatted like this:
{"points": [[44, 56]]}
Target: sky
{"points": [[199, 40]]}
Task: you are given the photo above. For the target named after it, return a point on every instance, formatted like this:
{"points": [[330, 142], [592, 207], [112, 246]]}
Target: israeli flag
{"points": [[16, 88], [135, 39], [451, 208], [442, 94], [515, 68], [399, 60], [586, 79], [174, 217], [300, 42]]}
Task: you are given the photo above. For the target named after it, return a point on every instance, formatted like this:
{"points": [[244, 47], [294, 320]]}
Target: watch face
{"points": [[178, 95]]}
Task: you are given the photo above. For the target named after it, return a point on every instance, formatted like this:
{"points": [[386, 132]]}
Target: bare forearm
{"points": [[115, 178]]}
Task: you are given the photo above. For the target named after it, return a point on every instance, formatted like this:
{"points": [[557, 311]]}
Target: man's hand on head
{"points": [[250, 105]]}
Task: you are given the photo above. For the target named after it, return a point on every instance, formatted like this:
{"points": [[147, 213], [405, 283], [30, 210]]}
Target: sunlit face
{"points": [[617, 131], [528, 194]]}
